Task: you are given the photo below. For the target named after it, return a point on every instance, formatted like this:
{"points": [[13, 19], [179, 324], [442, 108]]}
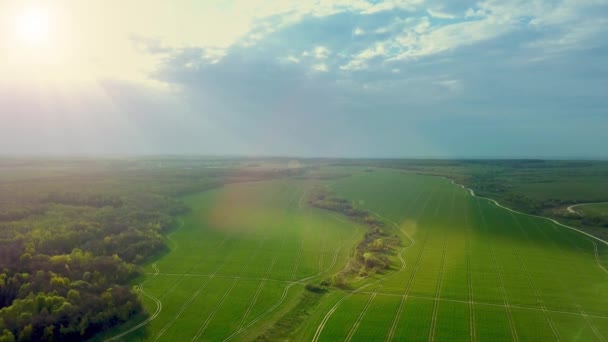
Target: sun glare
{"points": [[34, 27]]}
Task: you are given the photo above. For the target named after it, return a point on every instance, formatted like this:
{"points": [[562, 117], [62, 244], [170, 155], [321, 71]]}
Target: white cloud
{"points": [[320, 52], [321, 67], [439, 14], [424, 40], [292, 59], [389, 5], [358, 31], [478, 13], [450, 85], [355, 64], [377, 50], [360, 60]]}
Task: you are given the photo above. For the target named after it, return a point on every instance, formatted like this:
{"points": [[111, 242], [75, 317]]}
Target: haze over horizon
{"points": [[393, 78]]}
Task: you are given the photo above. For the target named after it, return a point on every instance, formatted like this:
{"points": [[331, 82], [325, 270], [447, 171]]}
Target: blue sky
{"points": [[360, 78]]}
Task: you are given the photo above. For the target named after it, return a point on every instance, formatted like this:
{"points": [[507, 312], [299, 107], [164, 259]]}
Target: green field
{"points": [[599, 209], [467, 269], [240, 260]]}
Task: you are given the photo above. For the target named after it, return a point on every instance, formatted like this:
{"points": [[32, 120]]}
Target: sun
{"points": [[34, 27]]}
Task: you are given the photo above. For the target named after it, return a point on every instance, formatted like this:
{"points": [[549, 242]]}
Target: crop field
{"points": [[240, 260], [473, 271], [466, 269]]}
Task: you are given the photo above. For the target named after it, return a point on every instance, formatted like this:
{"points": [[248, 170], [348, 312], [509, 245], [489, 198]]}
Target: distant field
{"points": [[599, 209], [466, 270]]}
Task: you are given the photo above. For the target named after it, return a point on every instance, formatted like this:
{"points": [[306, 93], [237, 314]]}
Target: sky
{"points": [[334, 78]]}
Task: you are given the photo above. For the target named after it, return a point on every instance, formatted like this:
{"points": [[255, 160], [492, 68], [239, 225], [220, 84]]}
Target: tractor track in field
{"points": [[159, 305], [592, 238], [257, 293], [286, 290], [355, 326], [332, 310], [262, 283], [597, 257], [270, 310], [566, 290], [297, 261], [159, 308], [438, 292], [184, 306], [443, 299], [192, 297], [205, 324], [404, 296], [211, 315], [582, 311], [470, 297], [526, 273], [538, 297], [433, 326], [322, 253], [195, 294], [500, 282]]}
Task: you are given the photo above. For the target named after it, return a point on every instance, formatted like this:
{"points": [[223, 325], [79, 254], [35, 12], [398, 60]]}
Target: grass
{"points": [[474, 270]]}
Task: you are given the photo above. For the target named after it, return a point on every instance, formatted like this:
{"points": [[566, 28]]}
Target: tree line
{"points": [[371, 255]]}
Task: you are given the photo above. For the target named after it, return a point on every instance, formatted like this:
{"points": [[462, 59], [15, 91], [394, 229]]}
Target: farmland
{"points": [[473, 271], [315, 250], [466, 269]]}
